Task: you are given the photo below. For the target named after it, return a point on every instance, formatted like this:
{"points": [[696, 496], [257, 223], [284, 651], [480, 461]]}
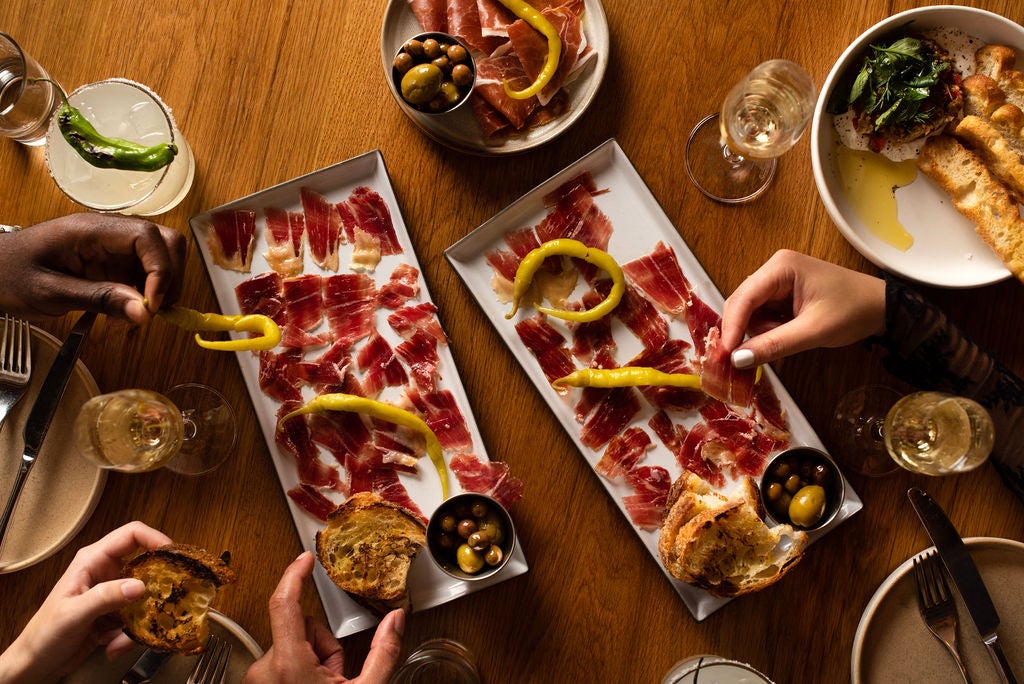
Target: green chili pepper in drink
{"points": [[105, 152]]}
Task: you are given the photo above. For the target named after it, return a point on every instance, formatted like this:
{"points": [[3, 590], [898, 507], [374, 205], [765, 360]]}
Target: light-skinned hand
{"points": [[794, 303], [305, 651]]}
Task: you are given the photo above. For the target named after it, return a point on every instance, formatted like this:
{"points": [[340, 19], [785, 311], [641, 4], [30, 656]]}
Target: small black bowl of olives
{"points": [[433, 73], [802, 487], [470, 536]]}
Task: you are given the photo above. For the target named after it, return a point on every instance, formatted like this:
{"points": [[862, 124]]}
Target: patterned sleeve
{"points": [[928, 351]]}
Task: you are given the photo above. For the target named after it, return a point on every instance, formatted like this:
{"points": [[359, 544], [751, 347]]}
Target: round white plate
{"points": [[893, 644], [947, 252], [460, 130], [62, 488], [244, 652]]}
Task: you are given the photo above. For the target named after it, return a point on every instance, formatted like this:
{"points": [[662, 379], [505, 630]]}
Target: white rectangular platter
{"points": [[639, 224], [428, 586]]}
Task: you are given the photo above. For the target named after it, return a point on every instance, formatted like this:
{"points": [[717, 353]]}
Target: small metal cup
{"points": [[835, 490], [445, 558], [26, 102], [396, 76]]}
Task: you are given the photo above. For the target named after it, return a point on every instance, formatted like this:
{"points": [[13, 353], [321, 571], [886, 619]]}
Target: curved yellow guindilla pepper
{"points": [[538, 21], [383, 411], [190, 319], [532, 262], [628, 376]]}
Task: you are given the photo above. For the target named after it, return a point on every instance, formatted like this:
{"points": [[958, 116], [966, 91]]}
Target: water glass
{"points": [[120, 108], [708, 669], [26, 102], [438, 661]]}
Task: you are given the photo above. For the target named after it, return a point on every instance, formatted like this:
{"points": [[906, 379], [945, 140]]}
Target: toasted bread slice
{"points": [[982, 95], [981, 136], [993, 60], [978, 195], [181, 583], [367, 548], [722, 544], [1009, 121]]}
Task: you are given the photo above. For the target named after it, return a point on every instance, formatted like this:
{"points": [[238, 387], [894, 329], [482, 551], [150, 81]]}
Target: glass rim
{"points": [[24, 69], [171, 126]]}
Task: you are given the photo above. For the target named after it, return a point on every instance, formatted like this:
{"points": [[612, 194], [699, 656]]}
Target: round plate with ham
{"points": [[492, 124]]}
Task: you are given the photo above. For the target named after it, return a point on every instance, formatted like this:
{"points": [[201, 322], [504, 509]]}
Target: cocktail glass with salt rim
{"points": [[121, 108]]}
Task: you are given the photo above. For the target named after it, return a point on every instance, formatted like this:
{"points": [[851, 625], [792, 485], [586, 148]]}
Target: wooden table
{"points": [[297, 87]]}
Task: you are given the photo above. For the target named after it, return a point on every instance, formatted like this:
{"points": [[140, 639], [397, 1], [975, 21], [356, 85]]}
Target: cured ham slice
{"points": [[232, 238], [312, 501], [408, 319], [303, 301], [491, 73], [584, 180], [349, 304], [390, 488], [494, 126], [261, 294], [548, 345], [343, 433], [670, 358], [284, 237], [403, 285], [382, 368], [646, 507], [491, 478], [442, 414], [431, 14], [719, 377], [323, 228], [768, 411], [294, 438], [276, 375], [623, 453], [595, 336], [642, 319], [670, 434], [576, 216], [701, 455], [494, 18], [612, 415], [420, 354], [659, 277], [463, 20], [532, 48], [367, 211], [327, 372]]}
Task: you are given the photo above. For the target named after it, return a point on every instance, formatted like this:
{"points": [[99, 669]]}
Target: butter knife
{"points": [[50, 394], [966, 578], [145, 667]]}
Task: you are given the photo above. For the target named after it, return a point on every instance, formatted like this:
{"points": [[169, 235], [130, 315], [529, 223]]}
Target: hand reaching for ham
{"points": [[794, 303], [91, 262]]}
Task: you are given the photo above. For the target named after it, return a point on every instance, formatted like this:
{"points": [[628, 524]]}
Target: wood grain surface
{"points": [[268, 91]]}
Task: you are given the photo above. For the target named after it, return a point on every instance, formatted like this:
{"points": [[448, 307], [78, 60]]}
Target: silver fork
{"points": [[212, 666], [15, 363], [936, 604]]}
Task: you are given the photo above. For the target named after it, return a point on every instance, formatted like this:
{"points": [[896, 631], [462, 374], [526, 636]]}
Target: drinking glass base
{"points": [[210, 431], [856, 430], [720, 175]]}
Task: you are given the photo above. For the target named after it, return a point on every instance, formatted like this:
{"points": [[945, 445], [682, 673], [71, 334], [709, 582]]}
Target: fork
{"points": [[15, 362], [936, 604], [212, 666]]}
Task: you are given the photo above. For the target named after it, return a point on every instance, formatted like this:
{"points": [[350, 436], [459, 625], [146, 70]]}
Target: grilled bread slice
{"points": [[181, 583], [722, 544], [978, 195], [367, 548], [994, 149]]}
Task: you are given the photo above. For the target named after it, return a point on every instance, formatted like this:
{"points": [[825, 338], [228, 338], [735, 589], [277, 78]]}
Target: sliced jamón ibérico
{"points": [[385, 482], [423, 316], [623, 453], [642, 319], [463, 21], [420, 354], [294, 438], [486, 477], [613, 413], [432, 15], [232, 238], [366, 210], [381, 368], [548, 345], [670, 358], [646, 506], [312, 501], [323, 228], [277, 377], [578, 217], [491, 74], [660, 278], [261, 294], [349, 304], [493, 125], [442, 414], [327, 371], [283, 236], [532, 48], [402, 286], [591, 337]]}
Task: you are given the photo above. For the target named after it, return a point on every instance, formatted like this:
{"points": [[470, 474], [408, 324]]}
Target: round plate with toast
{"points": [[63, 488], [946, 250], [893, 644]]}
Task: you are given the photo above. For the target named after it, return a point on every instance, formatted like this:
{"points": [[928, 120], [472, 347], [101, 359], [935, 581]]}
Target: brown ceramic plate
{"points": [[894, 645], [244, 652], [63, 488]]}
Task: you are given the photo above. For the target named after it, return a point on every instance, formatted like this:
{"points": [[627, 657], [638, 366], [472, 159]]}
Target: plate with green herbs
{"points": [[890, 89]]}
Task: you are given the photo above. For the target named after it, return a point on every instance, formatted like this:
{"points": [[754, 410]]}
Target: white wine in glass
{"points": [[731, 156], [938, 434], [136, 431]]}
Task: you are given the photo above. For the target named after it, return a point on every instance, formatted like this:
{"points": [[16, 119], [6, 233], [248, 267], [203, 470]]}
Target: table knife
{"points": [[145, 667], [966, 578], [50, 394]]}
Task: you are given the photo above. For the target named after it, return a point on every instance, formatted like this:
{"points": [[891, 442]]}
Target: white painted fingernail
{"points": [[743, 358]]}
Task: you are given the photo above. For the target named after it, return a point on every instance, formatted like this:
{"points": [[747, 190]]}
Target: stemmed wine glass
{"points": [[190, 429], [731, 156], [933, 433]]}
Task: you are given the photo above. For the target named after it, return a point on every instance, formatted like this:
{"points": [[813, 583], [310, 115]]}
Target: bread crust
{"points": [[367, 548], [181, 582]]}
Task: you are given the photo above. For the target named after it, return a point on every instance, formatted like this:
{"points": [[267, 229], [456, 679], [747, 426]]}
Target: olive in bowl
{"points": [[802, 487], [433, 73], [470, 536]]}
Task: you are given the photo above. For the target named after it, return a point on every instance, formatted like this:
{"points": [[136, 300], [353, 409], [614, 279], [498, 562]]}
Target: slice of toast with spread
{"points": [[181, 583], [367, 548]]}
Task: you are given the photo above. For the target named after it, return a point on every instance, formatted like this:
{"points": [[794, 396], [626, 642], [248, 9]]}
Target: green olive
{"points": [[431, 48], [403, 62], [491, 526], [493, 555], [479, 509], [421, 84], [457, 53], [467, 527], [462, 75], [478, 541], [774, 491], [414, 48], [448, 523], [446, 540], [793, 484], [469, 560], [807, 506]]}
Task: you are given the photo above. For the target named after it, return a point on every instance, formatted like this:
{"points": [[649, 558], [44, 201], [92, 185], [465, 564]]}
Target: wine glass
{"points": [[932, 433], [190, 429], [731, 156]]}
